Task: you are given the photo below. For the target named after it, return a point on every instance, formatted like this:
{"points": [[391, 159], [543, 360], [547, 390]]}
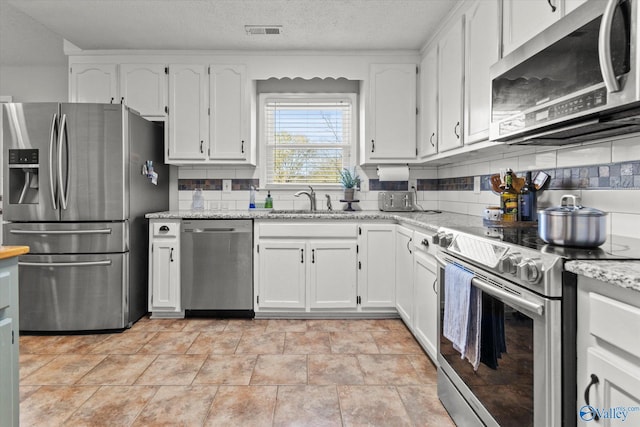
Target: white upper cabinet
{"points": [[143, 87], [229, 125], [523, 19], [391, 114], [428, 132], [450, 86], [482, 49], [188, 112], [97, 83]]}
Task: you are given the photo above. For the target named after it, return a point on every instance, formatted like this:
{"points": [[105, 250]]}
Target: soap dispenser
{"points": [[252, 197], [268, 202]]}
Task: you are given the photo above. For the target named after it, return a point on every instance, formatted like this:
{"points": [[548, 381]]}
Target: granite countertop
{"points": [[625, 274], [429, 220], [12, 251]]}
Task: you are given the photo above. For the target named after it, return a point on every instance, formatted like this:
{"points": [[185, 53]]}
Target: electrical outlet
{"points": [[226, 186], [476, 185], [413, 183]]}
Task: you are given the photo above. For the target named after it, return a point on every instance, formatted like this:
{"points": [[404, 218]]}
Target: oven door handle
{"points": [[502, 294]]}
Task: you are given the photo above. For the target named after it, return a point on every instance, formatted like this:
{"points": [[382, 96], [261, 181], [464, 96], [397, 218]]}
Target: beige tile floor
{"points": [[214, 372]]}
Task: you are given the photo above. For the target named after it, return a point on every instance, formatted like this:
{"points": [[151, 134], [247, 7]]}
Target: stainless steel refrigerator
{"points": [[77, 184]]}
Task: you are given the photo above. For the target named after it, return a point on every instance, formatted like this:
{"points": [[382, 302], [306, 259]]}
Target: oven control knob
{"points": [[529, 270], [509, 263], [442, 239]]}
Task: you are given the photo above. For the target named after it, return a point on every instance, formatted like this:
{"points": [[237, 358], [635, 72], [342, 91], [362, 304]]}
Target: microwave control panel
{"points": [[567, 107]]}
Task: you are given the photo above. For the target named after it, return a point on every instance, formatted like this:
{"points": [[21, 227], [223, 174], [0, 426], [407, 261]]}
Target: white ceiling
{"points": [[219, 24]]}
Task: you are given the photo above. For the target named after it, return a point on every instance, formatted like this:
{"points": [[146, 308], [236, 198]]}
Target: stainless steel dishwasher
{"points": [[216, 264]]}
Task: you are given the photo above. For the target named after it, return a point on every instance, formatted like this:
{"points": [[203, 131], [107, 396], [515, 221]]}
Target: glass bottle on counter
{"points": [[527, 200], [509, 199]]}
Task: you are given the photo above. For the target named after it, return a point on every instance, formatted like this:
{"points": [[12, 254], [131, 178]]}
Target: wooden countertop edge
{"points": [[12, 251]]}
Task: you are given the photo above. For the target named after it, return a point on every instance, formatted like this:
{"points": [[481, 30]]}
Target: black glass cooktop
{"points": [[614, 248]]}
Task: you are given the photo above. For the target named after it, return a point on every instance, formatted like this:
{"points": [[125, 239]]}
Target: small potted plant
{"points": [[349, 180]]}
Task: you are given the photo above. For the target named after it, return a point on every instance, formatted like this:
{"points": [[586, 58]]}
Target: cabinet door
{"points": [[450, 83], [377, 265], [229, 117], [165, 276], [426, 302], [523, 19], [404, 274], [391, 115], [428, 141], [282, 268], [332, 274], [8, 366], [482, 39], [188, 112], [143, 87], [95, 83], [618, 387]]}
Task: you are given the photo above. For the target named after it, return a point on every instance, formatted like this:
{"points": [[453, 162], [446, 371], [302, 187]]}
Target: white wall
{"points": [[34, 83], [623, 205]]}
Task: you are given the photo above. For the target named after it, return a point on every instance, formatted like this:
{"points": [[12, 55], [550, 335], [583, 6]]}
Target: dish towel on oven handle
{"points": [[462, 313]]}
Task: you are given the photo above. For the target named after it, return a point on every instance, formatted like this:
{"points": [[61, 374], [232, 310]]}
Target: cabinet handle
{"points": [[434, 286], [408, 243], [313, 256], [455, 130], [164, 228], [301, 256], [242, 147], [431, 139], [201, 144], [171, 255], [373, 146], [111, 102], [553, 8], [594, 381], [122, 100]]}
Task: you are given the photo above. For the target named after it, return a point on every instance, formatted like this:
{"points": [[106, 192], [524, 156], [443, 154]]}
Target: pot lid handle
{"points": [[564, 202]]}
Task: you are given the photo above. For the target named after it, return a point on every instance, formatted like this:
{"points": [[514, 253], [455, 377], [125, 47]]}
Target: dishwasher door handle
{"points": [[209, 230]]}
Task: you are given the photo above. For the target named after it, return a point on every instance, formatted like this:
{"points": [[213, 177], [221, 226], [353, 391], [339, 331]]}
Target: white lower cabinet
{"points": [[404, 274], [282, 274], [377, 265], [164, 268], [425, 320], [608, 354], [306, 267], [9, 344]]}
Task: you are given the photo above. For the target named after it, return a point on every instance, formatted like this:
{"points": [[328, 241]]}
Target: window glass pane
{"points": [[307, 141]]}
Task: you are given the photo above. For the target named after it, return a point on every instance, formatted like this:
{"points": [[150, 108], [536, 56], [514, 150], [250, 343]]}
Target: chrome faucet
{"points": [[312, 197]]}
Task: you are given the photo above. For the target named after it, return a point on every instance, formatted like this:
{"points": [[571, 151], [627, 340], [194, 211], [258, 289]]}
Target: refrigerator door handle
{"points": [[41, 232], [54, 129], [64, 189], [64, 264]]}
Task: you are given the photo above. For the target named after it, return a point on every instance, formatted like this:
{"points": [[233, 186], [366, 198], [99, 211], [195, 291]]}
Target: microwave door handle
{"points": [[63, 189], [604, 48], [52, 137]]}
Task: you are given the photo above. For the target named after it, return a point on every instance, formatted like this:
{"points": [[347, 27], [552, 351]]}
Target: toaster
{"points": [[395, 201]]}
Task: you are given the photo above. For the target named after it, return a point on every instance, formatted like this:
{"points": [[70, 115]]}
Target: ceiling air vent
{"points": [[255, 30]]}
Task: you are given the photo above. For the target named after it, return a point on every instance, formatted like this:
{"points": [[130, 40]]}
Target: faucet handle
{"points": [[329, 207]]}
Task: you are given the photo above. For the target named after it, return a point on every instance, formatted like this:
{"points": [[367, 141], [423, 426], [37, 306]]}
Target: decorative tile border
{"points": [[608, 176], [237, 184], [377, 185]]}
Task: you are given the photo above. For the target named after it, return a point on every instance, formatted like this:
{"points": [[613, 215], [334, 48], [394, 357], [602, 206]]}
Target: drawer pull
{"points": [[164, 228]]}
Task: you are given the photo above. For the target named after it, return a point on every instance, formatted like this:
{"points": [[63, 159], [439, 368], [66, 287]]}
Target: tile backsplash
{"points": [[604, 175]]}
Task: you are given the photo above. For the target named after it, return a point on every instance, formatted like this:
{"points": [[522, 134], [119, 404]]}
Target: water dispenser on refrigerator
{"points": [[24, 169]]}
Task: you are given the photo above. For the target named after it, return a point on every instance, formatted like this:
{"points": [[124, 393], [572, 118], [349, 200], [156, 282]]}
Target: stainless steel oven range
{"points": [[526, 335]]}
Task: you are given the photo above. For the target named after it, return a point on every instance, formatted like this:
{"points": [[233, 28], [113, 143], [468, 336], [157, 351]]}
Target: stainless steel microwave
{"points": [[577, 81]]}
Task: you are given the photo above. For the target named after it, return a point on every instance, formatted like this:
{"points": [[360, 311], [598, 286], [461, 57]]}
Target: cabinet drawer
{"points": [[322, 230], [169, 229], [610, 320], [5, 290]]}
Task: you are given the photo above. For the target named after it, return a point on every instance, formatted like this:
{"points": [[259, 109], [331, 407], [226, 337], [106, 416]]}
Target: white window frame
{"points": [[263, 98]]}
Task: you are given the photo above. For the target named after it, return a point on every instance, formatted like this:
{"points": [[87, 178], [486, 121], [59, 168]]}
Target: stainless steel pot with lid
{"points": [[572, 225]]}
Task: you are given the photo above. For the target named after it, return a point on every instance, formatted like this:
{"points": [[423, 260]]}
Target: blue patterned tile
{"points": [[626, 169], [626, 181], [603, 171], [604, 180]]}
